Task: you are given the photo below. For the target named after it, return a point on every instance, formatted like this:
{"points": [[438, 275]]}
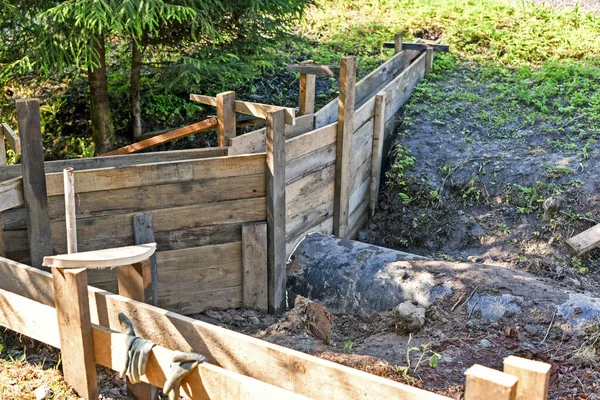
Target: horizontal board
{"points": [[316, 215], [13, 171], [249, 108], [310, 141], [364, 114], [304, 165], [159, 173], [195, 237], [11, 194], [299, 206], [147, 198], [310, 183], [360, 195], [358, 220], [197, 302]]}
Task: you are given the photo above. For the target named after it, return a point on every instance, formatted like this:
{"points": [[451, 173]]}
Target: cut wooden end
{"points": [[102, 258], [534, 377], [485, 383], [586, 240]]}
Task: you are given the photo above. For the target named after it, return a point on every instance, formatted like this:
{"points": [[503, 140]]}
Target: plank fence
{"points": [[224, 220]]}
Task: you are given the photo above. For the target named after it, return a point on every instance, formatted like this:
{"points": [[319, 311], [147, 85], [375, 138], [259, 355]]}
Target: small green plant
{"points": [[505, 229], [425, 354], [348, 344], [396, 174]]}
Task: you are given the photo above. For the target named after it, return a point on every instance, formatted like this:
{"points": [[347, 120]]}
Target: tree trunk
{"points": [[103, 130], [350, 277], [136, 111]]}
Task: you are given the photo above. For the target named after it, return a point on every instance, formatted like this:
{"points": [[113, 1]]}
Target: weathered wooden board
{"points": [[360, 194], [315, 69], [254, 142], [308, 163], [254, 263], [586, 240], [159, 173], [300, 206], [228, 349], [11, 194], [401, 88], [12, 138], [364, 113], [310, 141], [79, 164], [358, 219], [325, 227], [105, 258], [486, 383], [377, 151], [534, 377], [310, 183], [226, 117], [419, 46]]}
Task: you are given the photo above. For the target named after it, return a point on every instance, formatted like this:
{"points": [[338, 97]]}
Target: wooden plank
{"points": [[318, 189], [397, 43], [202, 126], [105, 258], [325, 227], [197, 302], [11, 194], [360, 197], [315, 216], [70, 210], [310, 141], [428, 60], [12, 138], [254, 142], [159, 173], [2, 147], [307, 94], [364, 113], [314, 69], [276, 172], [534, 377], [229, 349], [484, 383], [254, 261], [358, 219], [304, 187], [75, 328], [143, 233], [419, 46], [250, 108], [377, 151], [308, 163], [401, 88], [226, 117], [586, 240], [202, 236], [2, 248], [34, 180], [344, 146], [127, 160], [207, 381]]}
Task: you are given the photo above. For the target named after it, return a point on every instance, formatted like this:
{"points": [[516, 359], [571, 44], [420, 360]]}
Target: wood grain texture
{"points": [[11, 194], [307, 94], [229, 349], [308, 163], [397, 43], [75, 328], [402, 87], [534, 377], [418, 46], [276, 173], [343, 158], [2, 248], [310, 141], [34, 180], [203, 126], [226, 117], [484, 383], [315, 70], [254, 262], [2, 147], [70, 210], [377, 151], [250, 108], [586, 240], [12, 138], [127, 160], [105, 258], [143, 233]]}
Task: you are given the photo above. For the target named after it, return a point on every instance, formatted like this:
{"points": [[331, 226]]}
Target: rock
{"points": [[253, 320], [531, 329], [214, 314], [485, 343], [409, 317], [312, 316], [43, 392]]}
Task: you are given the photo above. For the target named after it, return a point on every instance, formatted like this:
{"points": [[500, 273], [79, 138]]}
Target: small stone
{"points": [[485, 343], [239, 318], [43, 392], [214, 314], [249, 313], [409, 317], [253, 320], [531, 329]]}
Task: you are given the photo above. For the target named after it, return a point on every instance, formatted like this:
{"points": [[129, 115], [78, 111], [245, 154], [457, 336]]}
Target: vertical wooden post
{"points": [[428, 60], [398, 42], [2, 147], [276, 267], [135, 282], [2, 251], [484, 383], [143, 232], [343, 161], [254, 261], [534, 377], [226, 117], [34, 180], [75, 329], [70, 214], [377, 151], [308, 84]]}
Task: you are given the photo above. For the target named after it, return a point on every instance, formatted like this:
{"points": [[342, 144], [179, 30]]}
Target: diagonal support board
{"points": [[246, 107]]}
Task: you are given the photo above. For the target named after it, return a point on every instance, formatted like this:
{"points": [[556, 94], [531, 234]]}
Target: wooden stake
{"points": [[428, 60], [143, 233], [75, 329], [226, 117], [534, 377], [254, 260], [34, 180], [398, 42], [343, 160], [276, 267], [2, 251], [307, 92], [70, 213], [484, 383], [2, 147], [377, 152]]}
